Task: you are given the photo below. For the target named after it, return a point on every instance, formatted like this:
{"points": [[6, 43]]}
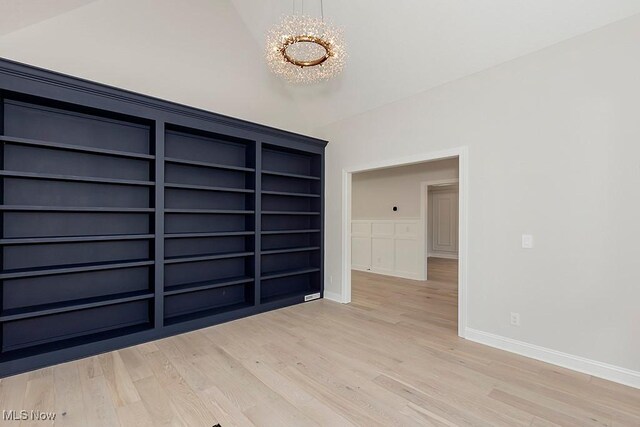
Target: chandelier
{"points": [[305, 49]]}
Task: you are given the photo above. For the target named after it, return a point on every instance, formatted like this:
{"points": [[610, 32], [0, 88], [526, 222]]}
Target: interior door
{"points": [[444, 233]]}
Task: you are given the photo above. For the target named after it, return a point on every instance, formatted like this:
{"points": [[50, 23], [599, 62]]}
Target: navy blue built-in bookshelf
{"points": [[126, 218]]}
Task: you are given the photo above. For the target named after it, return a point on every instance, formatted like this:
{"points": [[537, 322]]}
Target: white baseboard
{"points": [[411, 276], [587, 366], [390, 273], [443, 255], [332, 296]]}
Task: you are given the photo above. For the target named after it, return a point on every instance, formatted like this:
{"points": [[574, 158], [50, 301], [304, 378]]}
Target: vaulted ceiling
{"points": [[208, 53], [402, 47], [17, 14]]}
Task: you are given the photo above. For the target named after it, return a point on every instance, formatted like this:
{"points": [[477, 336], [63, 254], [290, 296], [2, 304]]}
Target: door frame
{"points": [[463, 176], [424, 216]]}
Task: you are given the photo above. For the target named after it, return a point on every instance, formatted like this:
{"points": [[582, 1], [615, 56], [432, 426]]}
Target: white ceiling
{"points": [[396, 48], [402, 47], [17, 14]]}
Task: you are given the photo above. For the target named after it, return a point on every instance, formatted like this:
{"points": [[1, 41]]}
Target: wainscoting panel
{"points": [[407, 257], [382, 254], [390, 247]]}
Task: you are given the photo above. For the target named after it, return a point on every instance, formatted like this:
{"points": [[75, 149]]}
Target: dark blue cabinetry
{"points": [[126, 218]]}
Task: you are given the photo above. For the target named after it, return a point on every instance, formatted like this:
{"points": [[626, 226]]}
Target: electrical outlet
{"points": [[527, 241], [515, 319]]}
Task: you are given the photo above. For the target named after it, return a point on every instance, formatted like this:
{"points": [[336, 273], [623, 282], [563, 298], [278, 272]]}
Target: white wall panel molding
{"points": [[390, 247]]}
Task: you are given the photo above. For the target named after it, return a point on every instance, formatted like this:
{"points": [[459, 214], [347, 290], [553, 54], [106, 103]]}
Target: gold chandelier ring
{"points": [[290, 41]]}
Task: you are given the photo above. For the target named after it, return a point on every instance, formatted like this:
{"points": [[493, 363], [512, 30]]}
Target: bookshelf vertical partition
{"points": [[127, 218]]}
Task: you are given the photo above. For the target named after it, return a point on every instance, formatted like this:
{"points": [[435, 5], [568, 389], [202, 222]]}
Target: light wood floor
{"points": [[390, 358], [444, 271]]}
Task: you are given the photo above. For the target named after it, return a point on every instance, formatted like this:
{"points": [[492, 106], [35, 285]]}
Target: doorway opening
{"points": [[392, 239], [439, 201]]}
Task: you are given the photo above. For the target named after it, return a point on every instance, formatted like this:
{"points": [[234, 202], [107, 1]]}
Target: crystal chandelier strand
{"points": [[304, 49]]}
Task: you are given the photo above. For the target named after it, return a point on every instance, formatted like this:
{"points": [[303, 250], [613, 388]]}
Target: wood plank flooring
{"points": [[390, 358], [443, 271]]}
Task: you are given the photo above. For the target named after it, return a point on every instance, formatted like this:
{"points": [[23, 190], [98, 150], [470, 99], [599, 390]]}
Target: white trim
{"points": [[424, 218], [440, 182], [332, 296], [409, 160], [463, 239], [462, 154], [346, 236], [569, 361]]}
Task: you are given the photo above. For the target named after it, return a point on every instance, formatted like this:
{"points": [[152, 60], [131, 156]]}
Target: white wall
{"points": [[200, 54], [553, 151], [375, 193]]}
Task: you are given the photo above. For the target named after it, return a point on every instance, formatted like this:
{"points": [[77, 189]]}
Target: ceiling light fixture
{"points": [[305, 49]]}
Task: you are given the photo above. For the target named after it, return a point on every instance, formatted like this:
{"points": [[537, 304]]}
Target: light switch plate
{"points": [[527, 241]]}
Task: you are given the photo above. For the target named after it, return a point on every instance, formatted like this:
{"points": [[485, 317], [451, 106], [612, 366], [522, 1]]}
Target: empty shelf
{"points": [[309, 230], [72, 268], [212, 234], [289, 213], [285, 193], [208, 188], [72, 239], [206, 164], [209, 257], [70, 147], [73, 178], [193, 315], [209, 284], [292, 295], [56, 343], [61, 307], [286, 273], [290, 250], [290, 175], [73, 209], [208, 211]]}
